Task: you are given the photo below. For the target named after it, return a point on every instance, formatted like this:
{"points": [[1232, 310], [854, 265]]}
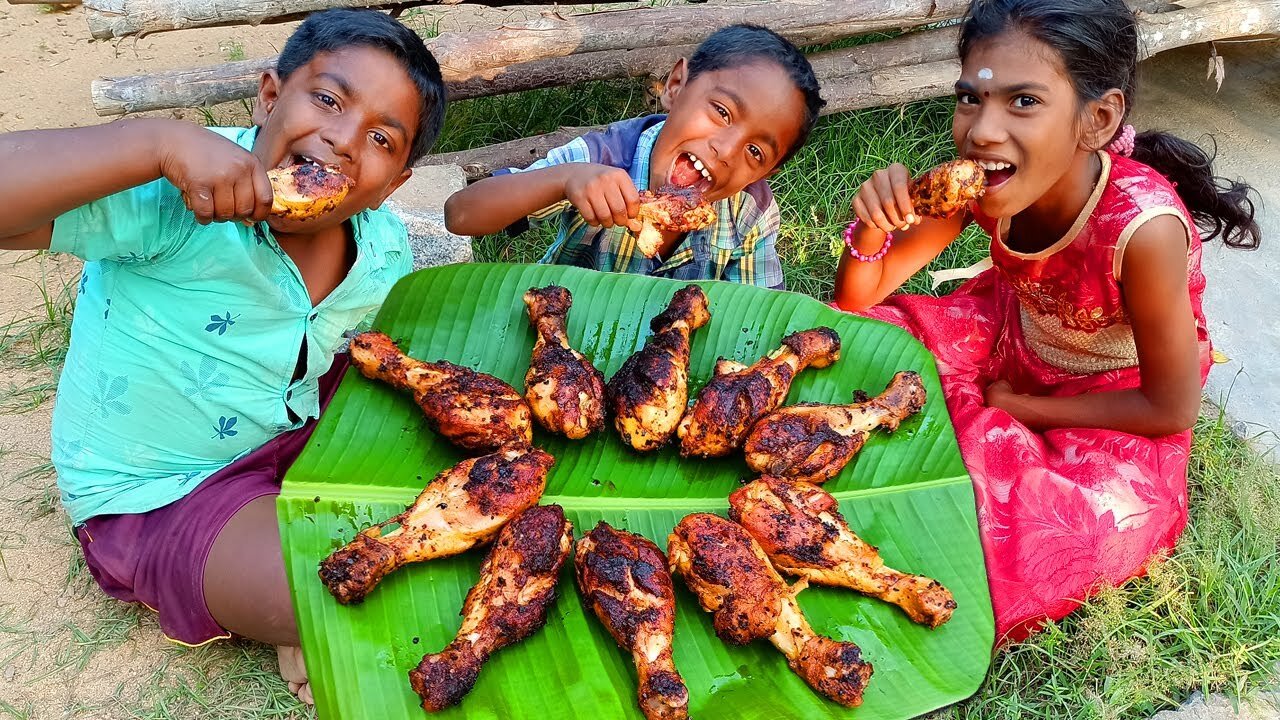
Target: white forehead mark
{"points": [[985, 74]]}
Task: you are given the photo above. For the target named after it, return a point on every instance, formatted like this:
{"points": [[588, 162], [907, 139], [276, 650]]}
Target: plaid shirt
{"points": [[739, 247]]}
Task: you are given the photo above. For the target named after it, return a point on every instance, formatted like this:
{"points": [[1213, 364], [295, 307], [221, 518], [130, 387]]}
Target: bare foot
{"points": [[294, 672]]}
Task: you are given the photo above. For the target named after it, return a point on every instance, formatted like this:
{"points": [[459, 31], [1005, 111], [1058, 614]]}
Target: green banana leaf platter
{"points": [[907, 493]]}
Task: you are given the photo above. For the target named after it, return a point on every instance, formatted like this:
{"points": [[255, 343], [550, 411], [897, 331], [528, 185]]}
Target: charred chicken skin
{"points": [[673, 209], [814, 442], [732, 578], [564, 390], [472, 410], [307, 190], [947, 189], [508, 604], [738, 396], [463, 507], [648, 394], [800, 528], [624, 579]]}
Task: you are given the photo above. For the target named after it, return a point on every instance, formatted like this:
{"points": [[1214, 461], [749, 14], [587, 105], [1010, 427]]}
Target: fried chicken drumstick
{"points": [[564, 390], [624, 579], [813, 442], [674, 209], [508, 604], [732, 578], [472, 410], [738, 396], [648, 394], [307, 190], [800, 528], [461, 508], [947, 189]]}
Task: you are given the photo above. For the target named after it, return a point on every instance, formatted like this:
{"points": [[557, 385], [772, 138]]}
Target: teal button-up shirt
{"points": [[185, 339]]}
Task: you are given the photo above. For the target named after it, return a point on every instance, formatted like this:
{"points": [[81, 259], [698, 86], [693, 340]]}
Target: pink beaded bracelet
{"points": [[853, 251]]}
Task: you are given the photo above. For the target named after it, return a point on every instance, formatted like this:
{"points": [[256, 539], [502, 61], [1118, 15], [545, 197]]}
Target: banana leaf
{"points": [[371, 454]]}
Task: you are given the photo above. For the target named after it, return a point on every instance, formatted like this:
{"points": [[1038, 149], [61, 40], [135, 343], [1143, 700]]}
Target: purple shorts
{"points": [[157, 558]]}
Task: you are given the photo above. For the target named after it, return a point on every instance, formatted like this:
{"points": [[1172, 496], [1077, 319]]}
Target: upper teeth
{"points": [[697, 164], [992, 165]]}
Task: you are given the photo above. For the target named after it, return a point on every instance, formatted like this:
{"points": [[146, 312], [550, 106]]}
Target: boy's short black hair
{"points": [[742, 44], [333, 30]]}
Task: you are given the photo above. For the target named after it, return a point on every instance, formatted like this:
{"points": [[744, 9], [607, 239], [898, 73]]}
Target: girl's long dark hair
{"points": [[1098, 43]]}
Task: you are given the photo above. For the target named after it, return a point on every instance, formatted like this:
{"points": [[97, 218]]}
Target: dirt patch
{"points": [[47, 62]]}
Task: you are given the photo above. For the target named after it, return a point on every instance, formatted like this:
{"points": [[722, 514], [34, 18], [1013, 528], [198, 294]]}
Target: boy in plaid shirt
{"points": [[739, 107]]}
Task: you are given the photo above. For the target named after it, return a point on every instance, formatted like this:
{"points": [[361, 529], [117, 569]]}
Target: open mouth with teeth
{"points": [[998, 172], [294, 160], [688, 171]]}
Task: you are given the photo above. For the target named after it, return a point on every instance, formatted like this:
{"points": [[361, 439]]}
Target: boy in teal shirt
{"points": [[205, 331]]}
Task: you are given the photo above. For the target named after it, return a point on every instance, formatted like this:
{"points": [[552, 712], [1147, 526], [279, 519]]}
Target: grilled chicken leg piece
{"points": [[813, 442], [649, 392], [732, 578], [738, 396], [472, 410], [801, 529], [564, 390], [508, 604], [673, 209], [947, 189], [463, 506], [624, 578], [307, 190]]}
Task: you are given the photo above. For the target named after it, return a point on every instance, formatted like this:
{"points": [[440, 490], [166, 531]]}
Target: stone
{"points": [[1244, 286], [419, 203], [1219, 707]]}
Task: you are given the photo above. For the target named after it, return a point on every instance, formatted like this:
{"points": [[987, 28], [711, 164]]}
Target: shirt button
{"points": [[315, 315], [288, 395]]}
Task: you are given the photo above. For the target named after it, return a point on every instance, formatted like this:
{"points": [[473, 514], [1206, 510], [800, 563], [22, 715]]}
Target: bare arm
{"points": [[604, 195], [860, 285], [883, 205], [1154, 275], [48, 172]]}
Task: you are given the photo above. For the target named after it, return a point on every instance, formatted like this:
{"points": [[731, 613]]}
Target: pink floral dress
{"points": [[1064, 511]]}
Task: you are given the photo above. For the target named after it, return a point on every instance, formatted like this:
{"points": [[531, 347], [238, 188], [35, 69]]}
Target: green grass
{"points": [[1207, 619], [235, 680], [484, 121], [36, 341], [233, 49]]}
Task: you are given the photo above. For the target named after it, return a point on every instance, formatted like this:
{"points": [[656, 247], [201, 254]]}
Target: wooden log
{"points": [[553, 35], [804, 22], [119, 18], [934, 75], [208, 86], [196, 87], [481, 162], [202, 87]]}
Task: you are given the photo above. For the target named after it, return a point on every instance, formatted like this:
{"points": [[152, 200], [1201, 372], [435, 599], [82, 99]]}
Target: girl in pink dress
{"points": [[1073, 367]]}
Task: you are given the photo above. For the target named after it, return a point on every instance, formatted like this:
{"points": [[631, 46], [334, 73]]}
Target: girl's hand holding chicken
{"points": [[888, 228]]}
